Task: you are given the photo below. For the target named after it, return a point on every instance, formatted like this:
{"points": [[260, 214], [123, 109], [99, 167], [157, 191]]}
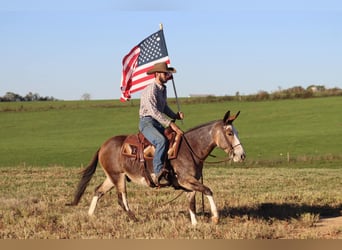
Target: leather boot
{"points": [[162, 177]]}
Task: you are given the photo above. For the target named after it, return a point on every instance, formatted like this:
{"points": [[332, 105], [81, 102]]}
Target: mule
{"points": [[194, 148]]}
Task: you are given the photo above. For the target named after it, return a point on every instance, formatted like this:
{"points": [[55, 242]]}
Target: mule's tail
{"points": [[86, 177]]}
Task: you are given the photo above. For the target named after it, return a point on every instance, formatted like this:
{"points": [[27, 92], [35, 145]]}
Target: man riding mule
{"points": [[141, 150], [195, 146], [155, 115]]}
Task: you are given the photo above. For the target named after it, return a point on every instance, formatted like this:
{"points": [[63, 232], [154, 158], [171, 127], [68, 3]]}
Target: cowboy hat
{"points": [[161, 67]]}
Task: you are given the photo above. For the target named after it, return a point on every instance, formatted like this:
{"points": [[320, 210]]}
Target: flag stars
{"points": [[150, 50]]}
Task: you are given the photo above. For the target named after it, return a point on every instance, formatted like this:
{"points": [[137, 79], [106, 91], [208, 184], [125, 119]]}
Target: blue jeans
{"points": [[154, 133]]}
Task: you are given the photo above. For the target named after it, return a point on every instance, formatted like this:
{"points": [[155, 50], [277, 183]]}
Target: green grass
{"points": [[68, 133]]}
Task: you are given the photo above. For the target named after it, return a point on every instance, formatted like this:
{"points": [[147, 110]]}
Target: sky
{"points": [[67, 48]]}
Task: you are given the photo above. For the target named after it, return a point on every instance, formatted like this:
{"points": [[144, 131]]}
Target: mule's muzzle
{"points": [[238, 155]]}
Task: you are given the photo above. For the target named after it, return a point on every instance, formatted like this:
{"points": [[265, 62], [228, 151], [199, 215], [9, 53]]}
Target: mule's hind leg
{"points": [[120, 183], [193, 184], [192, 207], [99, 192]]}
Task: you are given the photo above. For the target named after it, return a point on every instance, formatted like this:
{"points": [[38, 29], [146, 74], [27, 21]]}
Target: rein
{"points": [[225, 159], [217, 162], [191, 150], [202, 159]]}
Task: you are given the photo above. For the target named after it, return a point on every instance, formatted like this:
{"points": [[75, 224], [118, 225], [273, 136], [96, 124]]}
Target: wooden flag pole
{"points": [[173, 82], [174, 89]]}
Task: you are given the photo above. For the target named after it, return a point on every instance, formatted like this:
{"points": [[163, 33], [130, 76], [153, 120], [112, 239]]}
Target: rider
{"points": [[155, 115]]}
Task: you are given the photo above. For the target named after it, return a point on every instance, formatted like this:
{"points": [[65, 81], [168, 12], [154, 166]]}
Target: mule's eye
{"points": [[230, 133]]}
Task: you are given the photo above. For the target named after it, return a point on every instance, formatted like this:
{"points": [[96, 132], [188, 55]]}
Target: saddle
{"points": [[138, 147]]}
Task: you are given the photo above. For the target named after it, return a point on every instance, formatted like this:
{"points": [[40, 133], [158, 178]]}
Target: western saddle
{"points": [[138, 147]]}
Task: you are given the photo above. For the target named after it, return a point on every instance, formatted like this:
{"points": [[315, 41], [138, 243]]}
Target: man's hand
{"points": [[180, 115], [176, 129]]}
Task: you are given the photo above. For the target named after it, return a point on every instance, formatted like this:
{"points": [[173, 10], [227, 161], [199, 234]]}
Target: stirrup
{"points": [[163, 175]]}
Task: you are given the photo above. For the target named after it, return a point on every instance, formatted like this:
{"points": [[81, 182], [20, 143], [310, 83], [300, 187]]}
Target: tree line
{"points": [[30, 97], [296, 92], [290, 93]]}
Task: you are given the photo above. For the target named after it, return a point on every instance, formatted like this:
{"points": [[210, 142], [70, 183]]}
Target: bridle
{"points": [[225, 159], [202, 159]]}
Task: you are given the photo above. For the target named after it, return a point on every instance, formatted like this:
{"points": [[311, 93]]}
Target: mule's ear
{"points": [[230, 119], [226, 117], [237, 114]]}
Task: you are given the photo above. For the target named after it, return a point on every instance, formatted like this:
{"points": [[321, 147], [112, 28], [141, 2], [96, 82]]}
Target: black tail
{"points": [[86, 177]]}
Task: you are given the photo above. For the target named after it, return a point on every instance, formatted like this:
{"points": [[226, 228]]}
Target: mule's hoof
{"points": [[132, 216], [215, 220]]}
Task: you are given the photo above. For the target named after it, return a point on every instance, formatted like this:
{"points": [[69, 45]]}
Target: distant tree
{"points": [[315, 88], [262, 95], [28, 97], [36, 97], [12, 97], [86, 97]]}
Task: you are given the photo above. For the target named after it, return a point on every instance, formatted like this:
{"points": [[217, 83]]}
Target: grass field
{"points": [[253, 203], [68, 133], [289, 182]]}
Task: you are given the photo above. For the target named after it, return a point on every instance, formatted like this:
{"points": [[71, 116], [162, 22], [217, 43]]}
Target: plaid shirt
{"points": [[153, 103]]}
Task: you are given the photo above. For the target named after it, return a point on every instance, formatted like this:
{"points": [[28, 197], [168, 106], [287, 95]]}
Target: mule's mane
{"points": [[201, 126]]}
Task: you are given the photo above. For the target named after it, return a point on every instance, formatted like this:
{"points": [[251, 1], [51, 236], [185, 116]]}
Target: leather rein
{"points": [[202, 159]]}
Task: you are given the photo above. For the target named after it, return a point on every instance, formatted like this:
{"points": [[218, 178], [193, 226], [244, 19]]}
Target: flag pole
{"points": [[173, 82]]}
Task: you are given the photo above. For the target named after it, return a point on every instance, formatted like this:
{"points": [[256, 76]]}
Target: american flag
{"points": [[139, 60]]}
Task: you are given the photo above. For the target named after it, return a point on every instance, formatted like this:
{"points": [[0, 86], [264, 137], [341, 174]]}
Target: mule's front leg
{"points": [[193, 184], [213, 208]]}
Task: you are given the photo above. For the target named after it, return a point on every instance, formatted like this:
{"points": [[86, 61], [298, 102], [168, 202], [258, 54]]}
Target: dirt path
{"points": [[329, 227]]}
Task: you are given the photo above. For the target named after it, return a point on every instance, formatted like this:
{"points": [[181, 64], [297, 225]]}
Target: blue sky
{"points": [[67, 48]]}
